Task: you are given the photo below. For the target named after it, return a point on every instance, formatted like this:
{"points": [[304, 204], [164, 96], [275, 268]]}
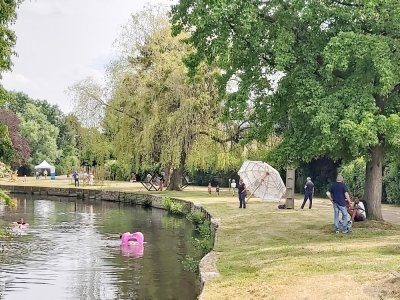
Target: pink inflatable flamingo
{"points": [[138, 236], [134, 250]]}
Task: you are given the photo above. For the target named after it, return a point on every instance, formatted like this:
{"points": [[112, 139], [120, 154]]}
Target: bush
{"points": [[190, 264], [204, 242], [166, 202], [174, 207], [196, 218], [4, 197]]}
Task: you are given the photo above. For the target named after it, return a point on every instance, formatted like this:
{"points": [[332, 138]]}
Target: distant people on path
{"points": [[45, 174], [339, 194], [76, 178], [37, 174], [308, 192], [133, 177], [229, 183], [91, 178], [356, 211], [209, 187], [147, 179], [242, 193], [217, 189], [162, 180], [233, 185], [85, 178]]}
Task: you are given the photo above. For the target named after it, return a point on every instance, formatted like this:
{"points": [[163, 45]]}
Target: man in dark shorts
{"points": [[308, 193]]}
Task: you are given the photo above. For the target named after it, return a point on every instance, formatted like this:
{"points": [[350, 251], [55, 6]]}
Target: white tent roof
{"points": [[44, 165]]}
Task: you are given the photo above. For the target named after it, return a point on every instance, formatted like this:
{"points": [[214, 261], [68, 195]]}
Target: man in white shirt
{"points": [[357, 210]]}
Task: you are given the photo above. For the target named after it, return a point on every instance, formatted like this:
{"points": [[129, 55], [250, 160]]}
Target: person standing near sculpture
{"points": [[233, 185], [242, 193], [339, 194], [308, 192]]}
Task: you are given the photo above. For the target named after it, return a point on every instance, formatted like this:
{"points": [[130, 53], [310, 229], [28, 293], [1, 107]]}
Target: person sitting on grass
{"points": [[356, 211]]}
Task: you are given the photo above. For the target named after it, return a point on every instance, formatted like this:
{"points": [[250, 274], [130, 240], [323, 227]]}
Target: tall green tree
{"points": [[6, 145], [156, 114], [323, 74], [41, 134], [7, 38]]}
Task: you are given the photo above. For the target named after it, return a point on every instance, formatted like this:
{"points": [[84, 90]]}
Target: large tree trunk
{"points": [[373, 183], [176, 178], [177, 174]]}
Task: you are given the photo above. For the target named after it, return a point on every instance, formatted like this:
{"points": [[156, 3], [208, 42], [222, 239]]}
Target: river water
{"points": [[71, 250]]}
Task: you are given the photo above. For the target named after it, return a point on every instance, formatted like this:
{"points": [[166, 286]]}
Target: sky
{"points": [[60, 42]]}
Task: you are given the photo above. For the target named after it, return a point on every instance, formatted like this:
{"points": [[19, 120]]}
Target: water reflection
{"points": [[72, 251], [135, 250]]}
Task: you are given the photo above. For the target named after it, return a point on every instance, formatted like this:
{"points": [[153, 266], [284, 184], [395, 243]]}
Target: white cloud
{"points": [[63, 41]]}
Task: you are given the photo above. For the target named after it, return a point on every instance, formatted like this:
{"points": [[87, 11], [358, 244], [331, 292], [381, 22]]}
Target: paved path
{"points": [[390, 215]]}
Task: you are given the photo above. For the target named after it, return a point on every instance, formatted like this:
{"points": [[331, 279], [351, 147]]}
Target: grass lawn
{"points": [[267, 253]]}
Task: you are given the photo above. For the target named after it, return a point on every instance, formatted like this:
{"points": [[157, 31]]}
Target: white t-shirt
{"points": [[361, 209], [233, 185]]}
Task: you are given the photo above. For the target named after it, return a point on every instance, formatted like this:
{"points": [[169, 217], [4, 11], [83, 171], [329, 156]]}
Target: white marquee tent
{"points": [[45, 165]]}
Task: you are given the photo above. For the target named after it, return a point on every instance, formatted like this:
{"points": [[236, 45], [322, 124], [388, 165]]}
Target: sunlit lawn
{"points": [[267, 253]]}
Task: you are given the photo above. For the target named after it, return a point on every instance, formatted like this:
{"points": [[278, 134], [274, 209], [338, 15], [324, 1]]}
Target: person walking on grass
{"points": [[339, 194], [76, 178], [242, 193], [233, 185], [209, 187], [308, 192]]}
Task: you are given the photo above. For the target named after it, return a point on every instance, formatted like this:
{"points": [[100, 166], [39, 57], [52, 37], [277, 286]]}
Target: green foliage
{"points": [[196, 218], [205, 240], [6, 146], [354, 176], [4, 197], [67, 164], [155, 114], [5, 170], [8, 38], [190, 264], [119, 170], [41, 134], [392, 182], [95, 148], [321, 74], [174, 207]]}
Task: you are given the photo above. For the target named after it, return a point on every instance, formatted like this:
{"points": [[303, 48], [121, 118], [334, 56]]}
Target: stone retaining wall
{"points": [[207, 266]]}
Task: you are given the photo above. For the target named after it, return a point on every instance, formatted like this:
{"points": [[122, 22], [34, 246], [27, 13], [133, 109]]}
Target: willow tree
{"points": [[165, 113], [338, 65]]}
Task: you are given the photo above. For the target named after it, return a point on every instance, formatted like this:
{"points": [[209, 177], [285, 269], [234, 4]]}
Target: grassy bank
{"points": [[266, 253]]}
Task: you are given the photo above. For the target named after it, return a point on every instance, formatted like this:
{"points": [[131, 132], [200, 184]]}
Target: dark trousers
{"points": [[76, 182], [242, 200], [307, 196]]}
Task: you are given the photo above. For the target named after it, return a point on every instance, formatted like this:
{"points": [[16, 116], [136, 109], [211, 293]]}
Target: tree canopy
{"points": [[8, 38], [323, 74], [156, 114]]}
